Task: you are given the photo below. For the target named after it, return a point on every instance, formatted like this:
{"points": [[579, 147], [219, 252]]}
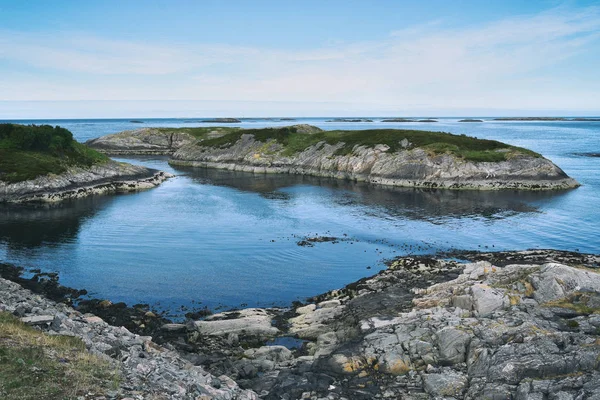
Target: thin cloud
{"points": [[490, 65]]}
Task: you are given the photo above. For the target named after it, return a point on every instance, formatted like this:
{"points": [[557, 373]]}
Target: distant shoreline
{"points": [[331, 119]]}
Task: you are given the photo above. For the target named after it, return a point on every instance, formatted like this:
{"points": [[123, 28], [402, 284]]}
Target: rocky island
{"points": [[44, 164], [222, 120], [398, 120], [350, 120], [408, 158]]}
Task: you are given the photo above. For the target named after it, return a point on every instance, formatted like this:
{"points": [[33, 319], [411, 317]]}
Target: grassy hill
{"points": [[29, 151], [462, 146]]}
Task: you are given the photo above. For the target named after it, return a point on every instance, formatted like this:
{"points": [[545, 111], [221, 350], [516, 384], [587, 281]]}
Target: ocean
{"points": [[220, 239]]}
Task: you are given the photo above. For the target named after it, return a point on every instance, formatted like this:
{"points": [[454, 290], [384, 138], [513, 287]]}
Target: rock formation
{"points": [[77, 182], [404, 165], [141, 141]]}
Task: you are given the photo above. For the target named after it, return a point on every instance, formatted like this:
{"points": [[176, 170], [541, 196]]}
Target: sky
{"points": [[177, 58]]}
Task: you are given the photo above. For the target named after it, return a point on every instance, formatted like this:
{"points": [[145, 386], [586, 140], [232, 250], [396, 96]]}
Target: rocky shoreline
{"points": [[511, 325], [78, 182], [407, 165], [415, 168]]}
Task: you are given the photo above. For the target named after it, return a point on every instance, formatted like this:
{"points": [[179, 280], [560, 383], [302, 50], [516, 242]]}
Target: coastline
{"points": [[111, 177], [381, 157], [424, 327], [452, 184]]}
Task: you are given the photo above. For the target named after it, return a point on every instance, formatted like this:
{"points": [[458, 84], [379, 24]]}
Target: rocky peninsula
{"points": [[153, 141], [388, 157], [77, 182], [510, 325], [45, 164], [395, 157]]}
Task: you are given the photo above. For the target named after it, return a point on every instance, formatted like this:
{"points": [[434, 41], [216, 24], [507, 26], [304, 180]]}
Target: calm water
{"points": [[226, 239]]}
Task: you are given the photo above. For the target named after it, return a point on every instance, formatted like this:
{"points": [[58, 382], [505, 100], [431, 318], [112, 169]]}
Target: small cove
{"points": [[224, 239]]}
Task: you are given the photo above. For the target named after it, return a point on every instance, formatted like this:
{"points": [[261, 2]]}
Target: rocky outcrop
{"points": [[222, 120], [77, 182], [531, 119], [511, 325], [408, 167], [147, 370], [514, 325], [141, 141], [350, 120]]}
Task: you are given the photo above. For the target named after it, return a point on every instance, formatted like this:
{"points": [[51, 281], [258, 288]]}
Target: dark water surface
{"points": [[217, 238]]}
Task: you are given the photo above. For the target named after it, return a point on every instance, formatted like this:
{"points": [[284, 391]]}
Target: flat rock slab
{"points": [[38, 319], [250, 322]]}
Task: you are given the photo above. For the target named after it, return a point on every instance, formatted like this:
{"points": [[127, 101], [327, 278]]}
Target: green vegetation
{"points": [[465, 147], [34, 365], [29, 151], [200, 133], [576, 302]]}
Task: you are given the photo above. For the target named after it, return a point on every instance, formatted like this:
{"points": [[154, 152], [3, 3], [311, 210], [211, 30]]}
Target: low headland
{"points": [[45, 164], [578, 119], [466, 325], [396, 157]]}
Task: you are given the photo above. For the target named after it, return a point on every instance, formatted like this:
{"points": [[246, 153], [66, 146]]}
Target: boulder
{"points": [[447, 384], [253, 322], [487, 300], [452, 344]]}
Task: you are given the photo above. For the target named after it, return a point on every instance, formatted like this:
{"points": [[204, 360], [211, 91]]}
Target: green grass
{"points": [[34, 365], [27, 152], [465, 147], [199, 133]]}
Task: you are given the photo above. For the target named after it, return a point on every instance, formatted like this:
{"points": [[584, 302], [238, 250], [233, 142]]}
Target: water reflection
{"points": [[418, 204], [30, 226]]}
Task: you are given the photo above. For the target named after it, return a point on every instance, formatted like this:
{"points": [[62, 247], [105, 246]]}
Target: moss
{"points": [[465, 147], [577, 302], [572, 323], [27, 152], [201, 132], [34, 365]]}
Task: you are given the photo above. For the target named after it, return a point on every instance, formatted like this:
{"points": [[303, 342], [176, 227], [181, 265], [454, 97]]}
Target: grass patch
{"points": [[200, 132], [465, 147], [577, 301], [34, 365], [27, 152]]}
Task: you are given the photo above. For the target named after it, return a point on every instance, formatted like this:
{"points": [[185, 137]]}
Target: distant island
{"points": [[398, 120], [350, 120], [136, 121], [393, 157], [408, 120], [44, 163], [547, 119], [222, 121], [471, 120]]}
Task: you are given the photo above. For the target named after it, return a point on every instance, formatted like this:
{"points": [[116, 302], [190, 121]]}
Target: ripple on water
{"points": [[219, 238]]}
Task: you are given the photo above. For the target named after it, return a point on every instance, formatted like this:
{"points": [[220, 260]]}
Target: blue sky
{"points": [[68, 59]]}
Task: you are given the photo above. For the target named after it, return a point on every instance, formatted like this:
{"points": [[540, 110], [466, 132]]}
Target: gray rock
{"points": [[250, 322], [38, 319], [447, 384], [487, 300], [452, 344]]}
